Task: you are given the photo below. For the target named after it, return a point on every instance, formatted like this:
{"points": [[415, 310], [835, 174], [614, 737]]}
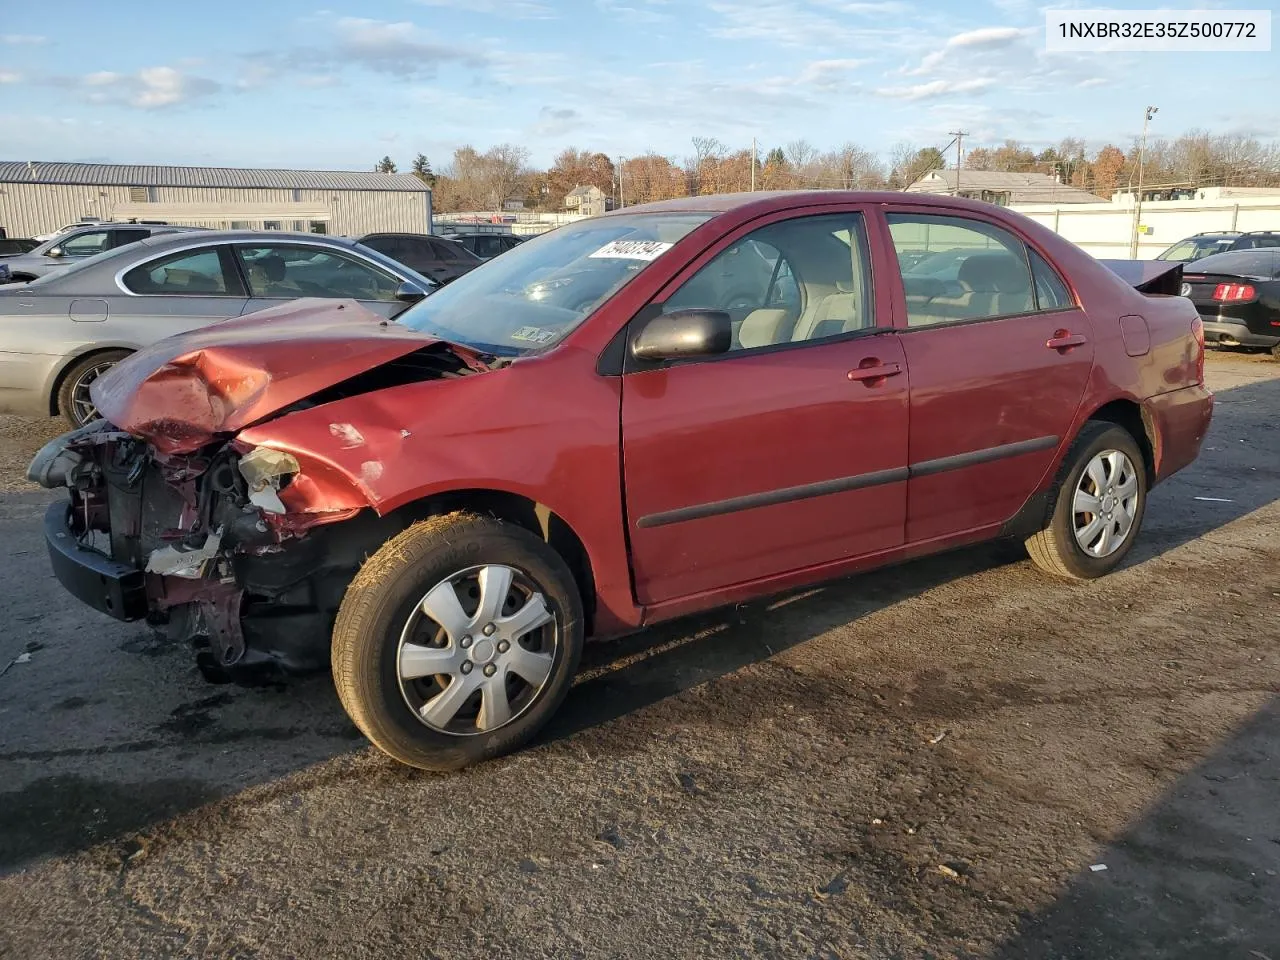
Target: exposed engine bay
{"points": [[211, 545]]}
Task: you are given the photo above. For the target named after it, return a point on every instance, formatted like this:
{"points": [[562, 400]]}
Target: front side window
{"points": [[191, 272], [536, 294], [957, 269], [86, 244], [796, 280], [288, 272]]}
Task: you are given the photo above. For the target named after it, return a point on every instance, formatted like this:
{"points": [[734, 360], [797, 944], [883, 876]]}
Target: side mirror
{"points": [[409, 292], [54, 252], [685, 333]]}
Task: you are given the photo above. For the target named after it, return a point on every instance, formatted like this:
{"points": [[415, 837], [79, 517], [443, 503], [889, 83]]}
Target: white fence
{"points": [[1106, 230]]}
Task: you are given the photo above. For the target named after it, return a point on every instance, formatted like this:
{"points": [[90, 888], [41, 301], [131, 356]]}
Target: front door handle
{"points": [[875, 370], [1064, 340]]}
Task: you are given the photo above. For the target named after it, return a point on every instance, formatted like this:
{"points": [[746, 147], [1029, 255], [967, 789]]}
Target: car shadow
{"points": [[1196, 876], [89, 794]]}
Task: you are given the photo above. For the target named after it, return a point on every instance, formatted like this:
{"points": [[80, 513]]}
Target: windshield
{"points": [[1196, 248], [538, 292]]}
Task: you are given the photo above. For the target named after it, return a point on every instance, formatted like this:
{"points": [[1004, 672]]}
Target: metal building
{"points": [[38, 197]]}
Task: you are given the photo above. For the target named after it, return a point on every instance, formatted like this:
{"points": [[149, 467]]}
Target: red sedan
{"points": [[634, 417]]}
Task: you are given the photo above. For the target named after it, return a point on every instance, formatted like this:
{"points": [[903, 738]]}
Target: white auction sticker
{"points": [[1181, 31], [632, 250]]}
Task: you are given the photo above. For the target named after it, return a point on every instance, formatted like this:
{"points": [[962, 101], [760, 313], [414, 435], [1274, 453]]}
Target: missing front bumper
{"points": [[107, 585]]}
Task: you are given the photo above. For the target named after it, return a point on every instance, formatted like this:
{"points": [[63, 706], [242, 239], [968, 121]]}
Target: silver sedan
{"points": [[78, 243], [61, 332]]}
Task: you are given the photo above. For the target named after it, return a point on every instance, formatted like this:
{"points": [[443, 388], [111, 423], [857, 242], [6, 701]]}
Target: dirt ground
{"points": [[931, 761]]}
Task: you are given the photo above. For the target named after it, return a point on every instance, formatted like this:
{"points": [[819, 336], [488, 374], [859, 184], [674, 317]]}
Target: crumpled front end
{"points": [[229, 546], [243, 548]]}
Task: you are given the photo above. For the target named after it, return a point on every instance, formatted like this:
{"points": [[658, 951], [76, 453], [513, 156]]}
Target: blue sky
{"points": [[337, 83]]}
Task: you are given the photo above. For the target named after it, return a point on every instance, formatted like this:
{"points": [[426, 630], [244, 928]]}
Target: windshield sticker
{"points": [[632, 250], [534, 335]]}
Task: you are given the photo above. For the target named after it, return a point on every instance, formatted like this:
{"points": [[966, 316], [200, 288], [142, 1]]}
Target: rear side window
{"points": [[393, 247], [121, 237], [956, 269], [447, 251], [1051, 292], [189, 273]]}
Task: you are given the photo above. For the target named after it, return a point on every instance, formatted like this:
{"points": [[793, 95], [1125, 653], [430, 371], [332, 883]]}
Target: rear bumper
{"points": [[1217, 330], [1181, 419], [113, 588]]}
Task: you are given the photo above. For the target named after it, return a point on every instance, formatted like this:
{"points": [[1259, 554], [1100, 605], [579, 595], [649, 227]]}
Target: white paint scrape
{"points": [[349, 435]]}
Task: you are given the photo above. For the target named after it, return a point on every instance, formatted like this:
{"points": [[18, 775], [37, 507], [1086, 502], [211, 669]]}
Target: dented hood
{"points": [[183, 391]]}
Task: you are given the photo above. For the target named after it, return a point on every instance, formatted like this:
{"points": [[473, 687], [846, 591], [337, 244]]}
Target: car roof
{"points": [[1232, 261], [768, 201], [162, 239]]}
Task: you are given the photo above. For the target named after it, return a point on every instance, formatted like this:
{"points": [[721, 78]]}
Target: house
{"points": [[588, 201], [1001, 187], [38, 197]]}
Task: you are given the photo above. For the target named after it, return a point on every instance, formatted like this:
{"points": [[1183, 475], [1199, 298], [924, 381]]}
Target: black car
{"points": [[486, 246], [1238, 297], [434, 257], [1220, 241]]}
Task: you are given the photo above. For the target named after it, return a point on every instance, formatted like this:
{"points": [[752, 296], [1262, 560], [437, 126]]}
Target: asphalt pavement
{"points": [[959, 757]]}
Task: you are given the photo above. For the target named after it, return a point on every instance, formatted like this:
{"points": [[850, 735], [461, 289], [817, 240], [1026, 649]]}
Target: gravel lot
{"points": [[920, 762]]}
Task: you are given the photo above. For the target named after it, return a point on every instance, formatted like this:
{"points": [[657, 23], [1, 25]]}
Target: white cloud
{"points": [[828, 73], [935, 88], [1093, 82], [834, 26], [23, 39], [8, 76], [149, 89], [632, 14], [517, 9], [400, 48], [556, 123], [984, 38]]}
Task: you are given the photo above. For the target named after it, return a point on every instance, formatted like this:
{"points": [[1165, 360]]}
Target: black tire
{"points": [[92, 367], [1055, 549], [384, 595]]}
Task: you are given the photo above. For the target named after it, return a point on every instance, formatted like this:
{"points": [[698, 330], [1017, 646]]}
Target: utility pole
{"points": [[753, 164], [622, 201], [1137, 201], [959, 135]]}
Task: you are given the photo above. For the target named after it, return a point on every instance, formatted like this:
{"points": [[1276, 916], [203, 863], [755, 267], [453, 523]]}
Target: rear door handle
{"points": [[875, 371], [1062, 340]]}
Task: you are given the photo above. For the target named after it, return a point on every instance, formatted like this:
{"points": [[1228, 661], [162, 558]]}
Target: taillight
{"points": [[1197, 331], [1234, 292]]}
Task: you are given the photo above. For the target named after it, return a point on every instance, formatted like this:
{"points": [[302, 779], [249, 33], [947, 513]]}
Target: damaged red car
{"points": [[634, 417]]}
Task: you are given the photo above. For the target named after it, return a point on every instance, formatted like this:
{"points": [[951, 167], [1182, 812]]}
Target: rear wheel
{"points": [[74, 401], [457, 641], [1098, 508]]}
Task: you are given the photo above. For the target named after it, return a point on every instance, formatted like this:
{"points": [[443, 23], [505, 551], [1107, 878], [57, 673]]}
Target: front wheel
{"points": [[1100, 500], [457, 641]]}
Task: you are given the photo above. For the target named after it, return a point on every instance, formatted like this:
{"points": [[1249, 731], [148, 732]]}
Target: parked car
{"points": [[11, 246], [486, 246], [1238, 297], [1207, 244], [78, 244], [61, 332], [435, 257], [466, 494]]}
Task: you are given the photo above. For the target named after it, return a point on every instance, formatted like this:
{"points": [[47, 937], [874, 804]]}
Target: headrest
{"points": [[993, 273]]}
